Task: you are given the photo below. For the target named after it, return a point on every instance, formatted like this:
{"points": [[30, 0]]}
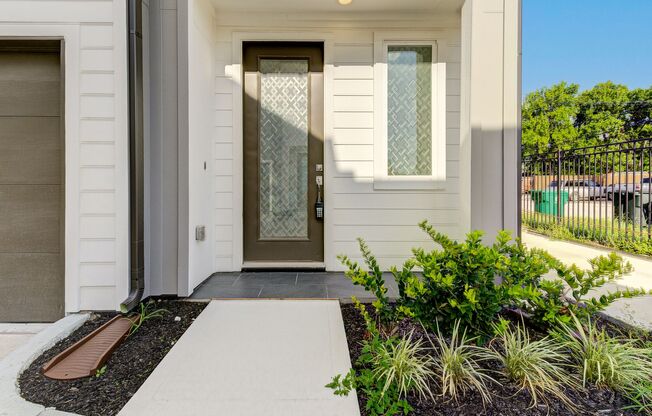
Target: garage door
{"points": [[31, 182]]}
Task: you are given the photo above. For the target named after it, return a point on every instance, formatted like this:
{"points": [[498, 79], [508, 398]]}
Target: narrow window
{"points": [[409, 110]]}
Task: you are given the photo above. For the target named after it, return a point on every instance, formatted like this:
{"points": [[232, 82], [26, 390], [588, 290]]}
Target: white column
{"points": [[490, 117]]}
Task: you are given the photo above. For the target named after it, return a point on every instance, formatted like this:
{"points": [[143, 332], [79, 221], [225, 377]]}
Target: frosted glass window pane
{"points": [[409, 110], [283, 149]]}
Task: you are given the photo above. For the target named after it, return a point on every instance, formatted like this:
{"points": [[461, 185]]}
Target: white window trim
{"points": [[438, 176]]}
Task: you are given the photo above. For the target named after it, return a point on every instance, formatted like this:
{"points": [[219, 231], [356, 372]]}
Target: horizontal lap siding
{"points": [[386, 219], [93, 20], [223, 154], [97, 223]]}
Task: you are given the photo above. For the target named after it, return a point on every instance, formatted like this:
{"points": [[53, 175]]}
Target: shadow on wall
{"points": [[386, 219]]}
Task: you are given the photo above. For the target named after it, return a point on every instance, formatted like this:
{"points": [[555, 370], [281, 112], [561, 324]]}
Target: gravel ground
{"points": [[127, 369], [508, 400]]}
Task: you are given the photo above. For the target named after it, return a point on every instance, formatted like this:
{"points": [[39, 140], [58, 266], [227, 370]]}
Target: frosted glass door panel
{"points": [[283, 148]]}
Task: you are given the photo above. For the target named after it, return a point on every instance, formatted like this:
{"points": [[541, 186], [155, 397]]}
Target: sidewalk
{"points": [[13, 336], [252, 357], [636, 311]]}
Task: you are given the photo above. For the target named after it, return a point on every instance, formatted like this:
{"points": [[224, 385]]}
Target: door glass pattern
{"points": [[409, 110], [283, 149]]}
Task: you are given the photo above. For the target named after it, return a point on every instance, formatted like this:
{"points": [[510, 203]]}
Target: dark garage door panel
{"points": [[31, 187], [31, 218], [31, 287], [31, 150]]}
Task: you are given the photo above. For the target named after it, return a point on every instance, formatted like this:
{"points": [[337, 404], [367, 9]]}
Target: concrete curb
{"points": [[11, 403]]}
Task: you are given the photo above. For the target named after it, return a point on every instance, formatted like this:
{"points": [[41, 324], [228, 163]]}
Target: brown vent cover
{"points": [[86, 356]]}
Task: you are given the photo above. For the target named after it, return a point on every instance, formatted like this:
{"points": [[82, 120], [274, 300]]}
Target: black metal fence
{"points": [[602, 193]]}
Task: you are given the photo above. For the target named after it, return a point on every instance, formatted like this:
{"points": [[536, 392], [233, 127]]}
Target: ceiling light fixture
{"points": [[344, 2]]}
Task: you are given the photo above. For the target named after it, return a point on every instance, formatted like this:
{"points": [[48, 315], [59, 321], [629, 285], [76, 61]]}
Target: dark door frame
{"points": [[287, 251]]}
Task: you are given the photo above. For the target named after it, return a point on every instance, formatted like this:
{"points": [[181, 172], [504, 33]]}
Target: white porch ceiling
{"points": [[331, 6]]}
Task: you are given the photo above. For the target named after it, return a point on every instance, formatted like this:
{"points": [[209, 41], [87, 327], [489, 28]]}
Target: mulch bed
{"points": [[127, 369], [507, 401]]}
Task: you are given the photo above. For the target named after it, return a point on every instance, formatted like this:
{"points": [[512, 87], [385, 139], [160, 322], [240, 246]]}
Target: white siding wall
{"points": [[386, 219], [96, 139], [223, 170], [201, 41]]}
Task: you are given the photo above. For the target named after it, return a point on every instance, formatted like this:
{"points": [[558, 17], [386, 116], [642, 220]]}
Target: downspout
{"points": [[136, 158]]}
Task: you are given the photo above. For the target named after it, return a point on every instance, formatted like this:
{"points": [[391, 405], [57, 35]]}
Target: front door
{"points": [[283, 151]]}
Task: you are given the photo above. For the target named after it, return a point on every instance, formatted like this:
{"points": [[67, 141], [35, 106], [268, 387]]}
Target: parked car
{"points": [[580, 189], [618, 188]]}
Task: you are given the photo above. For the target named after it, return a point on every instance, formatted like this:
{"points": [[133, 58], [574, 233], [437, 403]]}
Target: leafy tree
{"points": [[561, 118], [639, 110], [548, 118], [602, 114]]}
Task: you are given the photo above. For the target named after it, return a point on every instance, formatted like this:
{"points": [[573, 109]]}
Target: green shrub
{"points": [[389, 369], [471, 282], [538, 366], [456, 283], [374, 282], [608, 362], [556, 299], [459, 365]]}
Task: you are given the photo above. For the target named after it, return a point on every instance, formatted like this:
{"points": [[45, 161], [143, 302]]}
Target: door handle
{"points": [[319, 205]]}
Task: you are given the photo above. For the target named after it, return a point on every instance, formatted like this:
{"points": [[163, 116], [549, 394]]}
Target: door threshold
{"points": [[312, 266]]}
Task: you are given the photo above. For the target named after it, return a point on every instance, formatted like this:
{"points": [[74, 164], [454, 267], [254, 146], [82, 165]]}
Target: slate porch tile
{"points": [[294, 291], [222, 279], [321, 278], [266, 278], [214, 292]]}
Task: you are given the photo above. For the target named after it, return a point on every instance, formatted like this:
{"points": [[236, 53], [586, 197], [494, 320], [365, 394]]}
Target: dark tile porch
{"points": [[314, 285]]}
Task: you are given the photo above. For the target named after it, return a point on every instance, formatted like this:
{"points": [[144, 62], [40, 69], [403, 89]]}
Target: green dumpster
{"points": [[545, 201]]}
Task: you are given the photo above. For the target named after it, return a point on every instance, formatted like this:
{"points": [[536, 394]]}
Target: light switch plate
{"points": [[200, 233]]}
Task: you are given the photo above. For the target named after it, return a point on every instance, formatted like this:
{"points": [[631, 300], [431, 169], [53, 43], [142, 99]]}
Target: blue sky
{"points": [[586, 42]]}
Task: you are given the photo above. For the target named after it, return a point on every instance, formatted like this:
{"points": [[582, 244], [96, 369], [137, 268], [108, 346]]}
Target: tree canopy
{"points": [[561, 117]]}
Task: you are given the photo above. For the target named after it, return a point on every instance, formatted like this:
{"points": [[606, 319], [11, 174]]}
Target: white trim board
{"points": [[437, 179], [238, 134], [70, 35]]}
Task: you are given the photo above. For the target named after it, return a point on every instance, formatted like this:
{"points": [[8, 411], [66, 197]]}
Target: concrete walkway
{"points": [[636, 311], [13, 336], [252, 357]]}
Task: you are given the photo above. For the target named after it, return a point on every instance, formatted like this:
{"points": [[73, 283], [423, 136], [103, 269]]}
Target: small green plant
{"points": [[374, 282], [568, 293], [404, 364], [640, 397], [146, 313], [538, 366], [459, 365], [608, 362], [100, 372], [389, 369]]}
